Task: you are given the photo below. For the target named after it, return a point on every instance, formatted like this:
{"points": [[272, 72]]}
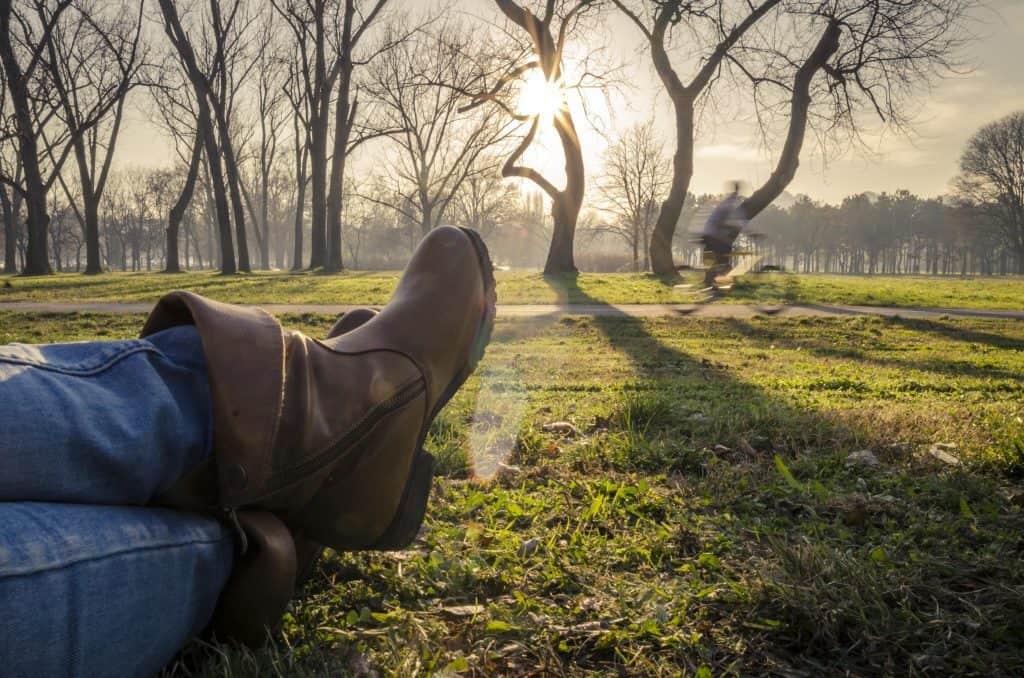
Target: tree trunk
{"points": [[264, 241], [37, 261], [789, 159], [90, 205], [300, 200], [344, 116], [237, 206], [426, 217], [319, 111], [636, 248], [564, 212], [220, 199], [177, 213], [91, 209], [318, 199], [682, 172], [10, 232], [172, 25], [565, 208]]}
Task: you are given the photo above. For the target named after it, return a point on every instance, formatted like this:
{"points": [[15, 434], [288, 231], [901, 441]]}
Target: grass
{"points": [[358, 287], [699, 518]]}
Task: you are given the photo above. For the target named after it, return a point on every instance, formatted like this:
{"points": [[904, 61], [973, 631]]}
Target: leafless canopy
{"points": [[992, 177], [439, 143]]}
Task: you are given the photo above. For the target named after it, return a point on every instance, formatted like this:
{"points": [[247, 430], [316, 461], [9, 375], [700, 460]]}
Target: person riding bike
{"points": [[721, 229]]}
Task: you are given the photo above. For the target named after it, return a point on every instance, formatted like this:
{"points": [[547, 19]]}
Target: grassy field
{"points": [[701, 516], [524, 288]]}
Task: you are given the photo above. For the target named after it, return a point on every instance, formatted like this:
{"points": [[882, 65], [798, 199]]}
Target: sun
{"points": [[541, 97]]}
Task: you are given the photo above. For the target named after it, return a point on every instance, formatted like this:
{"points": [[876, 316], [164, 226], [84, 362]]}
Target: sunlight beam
{"points": [[541, 97]]}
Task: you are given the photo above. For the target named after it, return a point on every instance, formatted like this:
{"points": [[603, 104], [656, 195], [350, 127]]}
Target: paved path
{"points": [[552, 310]]}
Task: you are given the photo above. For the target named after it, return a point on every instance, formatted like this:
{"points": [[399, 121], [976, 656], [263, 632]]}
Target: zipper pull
{"points": [[231, 515]]}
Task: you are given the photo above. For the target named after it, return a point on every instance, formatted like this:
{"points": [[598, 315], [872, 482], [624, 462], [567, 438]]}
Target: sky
{"points": [[923, 162]]}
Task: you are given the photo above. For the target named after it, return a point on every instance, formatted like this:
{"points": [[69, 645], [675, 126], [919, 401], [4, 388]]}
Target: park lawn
{"points": [[906, 291], [702, 519], [518, 287]]}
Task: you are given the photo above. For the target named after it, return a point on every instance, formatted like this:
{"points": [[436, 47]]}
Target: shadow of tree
{"points": [[949, 367], [960, 333], [789, 428], [811, 528]]}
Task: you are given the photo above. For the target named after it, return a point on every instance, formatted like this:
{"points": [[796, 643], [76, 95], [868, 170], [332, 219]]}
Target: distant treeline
{"points": [[890, 234], [133, 224], [887, 234]]}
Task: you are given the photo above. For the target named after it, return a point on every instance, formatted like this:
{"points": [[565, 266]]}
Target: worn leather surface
{"points": [[262, 582]]}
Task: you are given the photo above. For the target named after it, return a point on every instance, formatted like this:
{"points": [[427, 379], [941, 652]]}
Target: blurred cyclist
{"points": [[721, 229]]}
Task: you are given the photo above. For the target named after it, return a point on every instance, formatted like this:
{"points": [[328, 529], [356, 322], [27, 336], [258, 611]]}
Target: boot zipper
{"points": [[403, 397]]}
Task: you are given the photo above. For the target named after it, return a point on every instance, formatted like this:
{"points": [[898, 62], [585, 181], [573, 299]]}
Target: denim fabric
{"points": [[104, 590], [90, 585], [102, 422]]}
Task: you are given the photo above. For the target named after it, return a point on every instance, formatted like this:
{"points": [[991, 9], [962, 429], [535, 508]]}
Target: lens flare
{"points": [[541, 97], [508, 383]]}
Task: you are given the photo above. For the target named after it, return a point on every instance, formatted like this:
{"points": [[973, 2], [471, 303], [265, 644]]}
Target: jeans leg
{"points": [[104, 590], [111, 422]]}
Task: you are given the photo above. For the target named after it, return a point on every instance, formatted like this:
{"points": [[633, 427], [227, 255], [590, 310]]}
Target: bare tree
{"points": [[327, 36], [992, 178], [301, 143], [874, 59], [271, 116], [541, 44], [176, 214], [94, 56], [635, 178], [10, 202], [485, 202], [420, 85], [23, 41], [175, 110], [230, 23], [201, 83]]}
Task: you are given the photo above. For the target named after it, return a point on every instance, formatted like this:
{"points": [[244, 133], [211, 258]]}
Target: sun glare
{"points": [[540, 96]]}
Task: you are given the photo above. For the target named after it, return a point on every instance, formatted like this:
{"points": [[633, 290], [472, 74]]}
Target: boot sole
{"points": [[412, 508]]}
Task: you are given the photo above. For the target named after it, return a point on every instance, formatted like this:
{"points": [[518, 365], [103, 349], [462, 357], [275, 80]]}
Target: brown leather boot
{"points": [[351, 320], [307, 551], [261, 584], [327, 435], [275, 562], [389, 475]]}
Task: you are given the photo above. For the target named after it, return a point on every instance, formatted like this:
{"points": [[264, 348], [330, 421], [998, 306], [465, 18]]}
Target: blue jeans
{"points": [[93, 583]]}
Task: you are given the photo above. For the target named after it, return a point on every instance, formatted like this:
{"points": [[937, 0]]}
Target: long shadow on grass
{"points": [[827, 348], [738, 408], [837, 601], [963, 334]]}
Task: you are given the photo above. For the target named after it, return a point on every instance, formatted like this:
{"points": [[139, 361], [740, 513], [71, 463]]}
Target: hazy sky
{"points": [[923, 163]]}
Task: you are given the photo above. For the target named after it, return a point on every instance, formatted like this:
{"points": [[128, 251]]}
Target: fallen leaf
{"points": [[940, 451], [508, 468], [528, 547], [862, 458], [746, 448], [564, 428], [463, 610]]}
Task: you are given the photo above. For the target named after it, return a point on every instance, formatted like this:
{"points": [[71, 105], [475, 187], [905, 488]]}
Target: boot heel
{"points": [[413, 507]]}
